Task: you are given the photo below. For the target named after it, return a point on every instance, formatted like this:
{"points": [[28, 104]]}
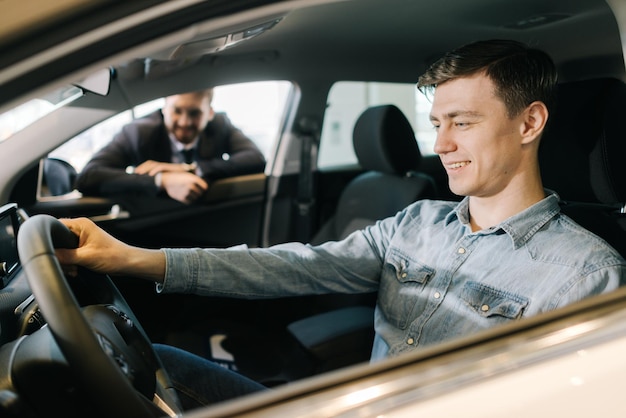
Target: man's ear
{"points": [[535, 117], [211, 114]]}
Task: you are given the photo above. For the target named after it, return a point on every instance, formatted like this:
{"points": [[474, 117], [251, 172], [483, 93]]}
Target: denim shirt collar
{"points": [[520, 227]]}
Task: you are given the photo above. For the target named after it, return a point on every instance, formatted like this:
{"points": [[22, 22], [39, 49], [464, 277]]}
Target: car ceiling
{"points": [[385, 40], [392, 40]]}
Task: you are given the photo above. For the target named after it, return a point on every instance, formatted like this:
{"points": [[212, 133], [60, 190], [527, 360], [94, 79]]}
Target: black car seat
{"points": [[385, 145], [582, 156]]}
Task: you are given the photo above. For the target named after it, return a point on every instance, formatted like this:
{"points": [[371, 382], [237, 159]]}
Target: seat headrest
{"points": [[583, 147], [384, 141]]}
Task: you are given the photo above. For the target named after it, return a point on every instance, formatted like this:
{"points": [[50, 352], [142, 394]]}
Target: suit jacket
{"points": [[147, 139]]}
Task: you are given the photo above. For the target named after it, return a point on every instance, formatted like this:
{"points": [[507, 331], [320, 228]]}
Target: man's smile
{"points": [[455, 165]]}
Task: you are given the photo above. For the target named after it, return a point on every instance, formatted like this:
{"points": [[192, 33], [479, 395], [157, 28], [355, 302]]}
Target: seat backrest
{"points": [[582, 152], [385, 145]]}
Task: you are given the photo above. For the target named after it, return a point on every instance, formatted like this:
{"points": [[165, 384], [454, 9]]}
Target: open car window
{"points": [[18, 118], [256, 108]]}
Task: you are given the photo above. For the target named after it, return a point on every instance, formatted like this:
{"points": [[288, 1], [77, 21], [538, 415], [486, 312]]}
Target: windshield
{"points": [[27, 113]]}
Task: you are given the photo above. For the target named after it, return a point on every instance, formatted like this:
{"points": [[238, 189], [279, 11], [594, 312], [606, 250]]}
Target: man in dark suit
{"points": [[176, 151]]}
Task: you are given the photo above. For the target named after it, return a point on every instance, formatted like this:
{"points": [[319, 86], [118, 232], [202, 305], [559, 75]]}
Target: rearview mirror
{"points": [[98, 82]]}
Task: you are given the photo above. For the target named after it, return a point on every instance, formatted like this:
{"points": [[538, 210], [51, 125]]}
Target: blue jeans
{"points": [[199, 381]]}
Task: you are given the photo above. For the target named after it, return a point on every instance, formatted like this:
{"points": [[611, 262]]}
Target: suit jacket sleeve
{"points": [[221, 138], [105, 174]]}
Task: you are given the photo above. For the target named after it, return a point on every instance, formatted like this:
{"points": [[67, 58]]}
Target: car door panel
{"points": [[230, 214]]}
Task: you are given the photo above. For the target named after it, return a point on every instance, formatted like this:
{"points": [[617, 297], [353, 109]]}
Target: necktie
{"points": [[188, 155]]}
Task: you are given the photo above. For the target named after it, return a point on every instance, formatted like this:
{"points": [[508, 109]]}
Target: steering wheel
{"points": [[103, 343]]}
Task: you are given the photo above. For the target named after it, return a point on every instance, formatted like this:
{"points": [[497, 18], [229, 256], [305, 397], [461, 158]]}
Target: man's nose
{"points": [[185, 119], [444, 141]]}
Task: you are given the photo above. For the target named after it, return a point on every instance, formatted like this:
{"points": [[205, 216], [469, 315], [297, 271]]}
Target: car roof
{"points": [[390, 40]]}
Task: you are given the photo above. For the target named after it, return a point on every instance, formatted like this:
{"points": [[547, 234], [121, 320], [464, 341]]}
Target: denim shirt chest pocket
{"points": [[402, 281], [489, 302]]}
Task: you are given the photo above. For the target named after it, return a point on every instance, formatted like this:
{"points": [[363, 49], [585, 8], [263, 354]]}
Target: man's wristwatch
{"points": [[158, 181], [191, 167]]}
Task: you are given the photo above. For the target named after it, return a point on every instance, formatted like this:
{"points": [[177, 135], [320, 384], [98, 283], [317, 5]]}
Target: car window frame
{"points": [[266, 140]]}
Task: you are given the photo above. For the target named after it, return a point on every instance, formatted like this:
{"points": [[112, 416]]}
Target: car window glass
{"points": [[348, 99], [18, 118], [256, 108]]}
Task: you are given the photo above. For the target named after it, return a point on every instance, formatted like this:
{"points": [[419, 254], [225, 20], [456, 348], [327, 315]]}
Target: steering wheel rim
{"points": [[106, 384]]}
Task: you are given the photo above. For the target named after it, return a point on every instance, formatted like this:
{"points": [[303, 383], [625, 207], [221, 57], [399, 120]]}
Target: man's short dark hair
{"points": [[206, 93], [521, 74]]}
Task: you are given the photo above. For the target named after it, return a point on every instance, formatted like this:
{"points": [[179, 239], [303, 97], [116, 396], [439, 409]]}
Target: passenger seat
{"points": [[387, 150], [385, 146]]}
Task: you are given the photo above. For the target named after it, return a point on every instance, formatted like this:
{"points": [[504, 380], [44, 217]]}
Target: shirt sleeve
{"points": [[348, 266]]}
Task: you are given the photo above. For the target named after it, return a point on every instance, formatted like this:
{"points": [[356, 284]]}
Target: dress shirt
{"points": [[185, 153], [436, 279], [178, 149]]}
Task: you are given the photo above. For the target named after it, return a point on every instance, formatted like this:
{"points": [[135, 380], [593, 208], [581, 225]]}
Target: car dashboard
{"points": [[18, 312], [57, 331]]}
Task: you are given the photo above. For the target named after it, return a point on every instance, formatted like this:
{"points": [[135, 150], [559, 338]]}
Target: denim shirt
{"points": [[436, 279]]}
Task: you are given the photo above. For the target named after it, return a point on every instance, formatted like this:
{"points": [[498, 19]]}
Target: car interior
{"points": [[312, 45], [583, 133], [386, 150]]}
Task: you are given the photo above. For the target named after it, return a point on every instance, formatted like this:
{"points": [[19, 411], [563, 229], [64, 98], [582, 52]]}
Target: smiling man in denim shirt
{"points": [[442, 269]]}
